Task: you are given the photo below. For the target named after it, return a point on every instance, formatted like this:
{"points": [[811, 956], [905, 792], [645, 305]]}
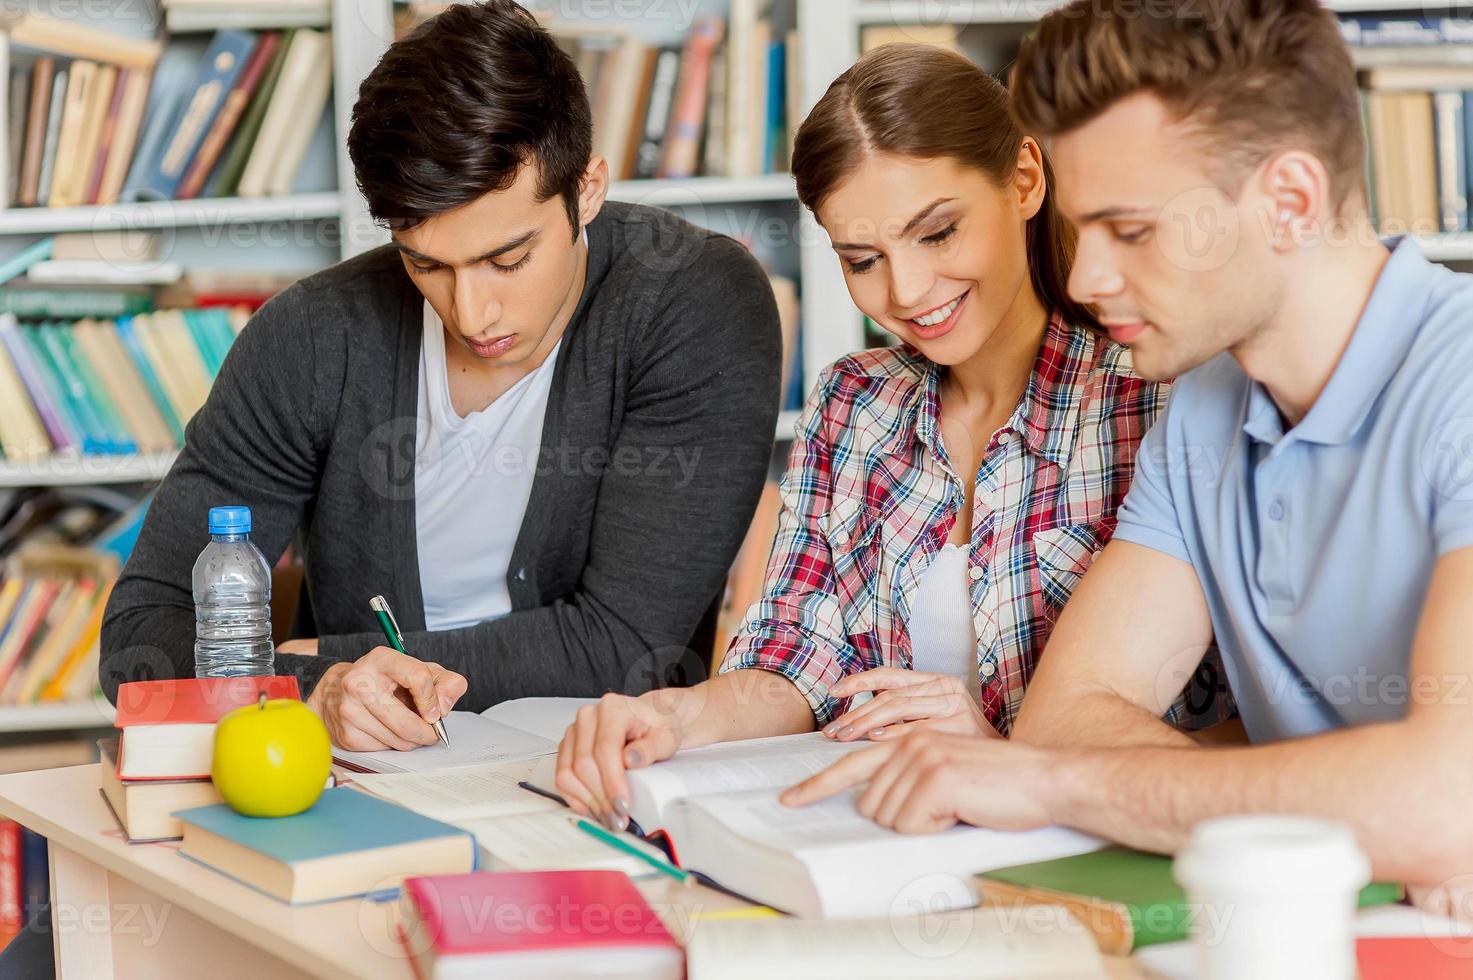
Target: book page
{"points": [[466, 792], [856, 866], [474, 741], [757, 763], [972, 944], [548, 717], [551, 841]]}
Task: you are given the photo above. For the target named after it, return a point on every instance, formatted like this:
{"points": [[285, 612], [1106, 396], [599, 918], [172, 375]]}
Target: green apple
{"points": [[271, 758]]}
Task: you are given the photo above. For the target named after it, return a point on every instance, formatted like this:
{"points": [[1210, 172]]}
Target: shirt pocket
{"points": [[1063, 554], [854, 543]]}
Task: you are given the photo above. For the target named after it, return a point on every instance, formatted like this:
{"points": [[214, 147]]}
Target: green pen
{"points": [[630, 849], [390, 626]]}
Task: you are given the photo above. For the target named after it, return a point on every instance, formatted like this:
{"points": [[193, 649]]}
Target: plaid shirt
{"points": [[870, 496]]}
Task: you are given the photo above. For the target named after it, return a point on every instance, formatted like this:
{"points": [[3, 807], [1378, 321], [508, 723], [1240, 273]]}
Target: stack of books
{"points": [[51, 606], [97, 117], [722, 104], [159, 763]]}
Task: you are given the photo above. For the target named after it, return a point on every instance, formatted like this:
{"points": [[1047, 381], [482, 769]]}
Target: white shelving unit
{"points": [[57, 716]]}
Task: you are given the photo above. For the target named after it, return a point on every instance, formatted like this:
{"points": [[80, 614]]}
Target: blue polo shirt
{"points": [[1314, 546]]}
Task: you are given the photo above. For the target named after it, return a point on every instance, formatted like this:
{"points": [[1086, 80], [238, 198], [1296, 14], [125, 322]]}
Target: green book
{"points": [[62, 393], [204, 341], [73, 304], [1127, 898], [97, 393], [88, 409], [217, 320], [234, 164]]}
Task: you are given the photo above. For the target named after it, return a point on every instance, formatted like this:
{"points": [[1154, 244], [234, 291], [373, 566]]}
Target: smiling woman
{"points": [[943, 497]]}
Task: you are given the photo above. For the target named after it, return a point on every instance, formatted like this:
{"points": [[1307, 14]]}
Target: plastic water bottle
{"points": [[232, 601]]}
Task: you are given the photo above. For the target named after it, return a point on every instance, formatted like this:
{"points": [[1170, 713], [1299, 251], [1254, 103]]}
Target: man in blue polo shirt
{"points": [[1306, 500]]}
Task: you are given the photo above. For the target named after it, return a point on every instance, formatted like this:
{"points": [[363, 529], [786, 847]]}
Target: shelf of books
{"points": [[164, 170], [134, 215]]}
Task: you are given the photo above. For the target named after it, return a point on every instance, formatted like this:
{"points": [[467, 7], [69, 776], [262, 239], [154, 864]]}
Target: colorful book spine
{"points": [[12, 883], [73, 304], [102, 403], [97, 438], [219, 71], [127, 332], [59, 428]]}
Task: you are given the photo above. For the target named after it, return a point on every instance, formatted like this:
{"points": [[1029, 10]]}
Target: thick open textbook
{"points": [[719, 807]]}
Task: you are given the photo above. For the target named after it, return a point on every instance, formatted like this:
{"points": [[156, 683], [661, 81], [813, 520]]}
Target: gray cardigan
{"points": [[657, 438]]}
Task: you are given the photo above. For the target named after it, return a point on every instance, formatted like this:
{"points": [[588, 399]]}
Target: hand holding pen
{"points": [[390, 626], [386, 699]]}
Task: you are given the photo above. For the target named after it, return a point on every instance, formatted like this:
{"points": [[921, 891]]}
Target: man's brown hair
{"points": [[1249, 77]]}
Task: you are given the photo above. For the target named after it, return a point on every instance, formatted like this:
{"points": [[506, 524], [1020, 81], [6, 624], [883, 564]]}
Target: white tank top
{"points": [[942, 638]]}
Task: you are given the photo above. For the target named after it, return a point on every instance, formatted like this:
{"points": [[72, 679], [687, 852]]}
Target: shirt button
{"points": [[988, 669], [975, 573], [1276, 511], [521, 575], [841, 538]]}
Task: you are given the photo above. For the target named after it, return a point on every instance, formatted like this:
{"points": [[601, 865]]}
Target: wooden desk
{"points": [[142, 910]]}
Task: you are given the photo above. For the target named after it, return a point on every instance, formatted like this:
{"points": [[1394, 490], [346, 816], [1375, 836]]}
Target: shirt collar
{"points": [[1045, 417], [1379, 344]]}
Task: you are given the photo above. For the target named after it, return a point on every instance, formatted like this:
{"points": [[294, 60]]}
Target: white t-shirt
{"points": [[472, 480]]}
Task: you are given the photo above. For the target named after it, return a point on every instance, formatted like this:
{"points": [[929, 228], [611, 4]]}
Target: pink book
{"points": [[531, 924]]}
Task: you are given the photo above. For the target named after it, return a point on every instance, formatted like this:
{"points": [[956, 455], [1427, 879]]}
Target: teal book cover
{"points": [[342, 821], [102, 402], [204, 340], [61, 392]]}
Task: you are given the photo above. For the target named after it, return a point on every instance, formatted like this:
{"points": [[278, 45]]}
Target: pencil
{"points": [[390, 626], [630, 849]]}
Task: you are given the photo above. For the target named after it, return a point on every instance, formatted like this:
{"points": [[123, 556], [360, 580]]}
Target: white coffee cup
{"points": [[1273, 897]]}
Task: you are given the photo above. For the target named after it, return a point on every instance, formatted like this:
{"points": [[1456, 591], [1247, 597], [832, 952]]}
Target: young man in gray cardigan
{"points": [[538, 422]]}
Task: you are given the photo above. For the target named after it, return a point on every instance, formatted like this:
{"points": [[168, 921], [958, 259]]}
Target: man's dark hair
{"points": [[453, 111]]}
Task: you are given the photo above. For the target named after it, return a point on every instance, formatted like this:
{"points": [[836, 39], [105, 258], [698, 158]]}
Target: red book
{"points": [[1414, 958], [12, 897], [109, 132], [533, 924], [168, 727]]}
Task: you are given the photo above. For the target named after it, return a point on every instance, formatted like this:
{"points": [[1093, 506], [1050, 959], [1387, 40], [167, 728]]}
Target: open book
{"points": [[515, 829], [719, 807], [474, 740]]}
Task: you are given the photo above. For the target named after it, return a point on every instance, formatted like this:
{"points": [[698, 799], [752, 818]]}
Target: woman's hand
{"points": [[605, 739], [906, 701]]}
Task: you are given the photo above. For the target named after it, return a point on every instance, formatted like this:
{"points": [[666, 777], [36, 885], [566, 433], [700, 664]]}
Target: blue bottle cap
{"points": [[230, 520]]}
